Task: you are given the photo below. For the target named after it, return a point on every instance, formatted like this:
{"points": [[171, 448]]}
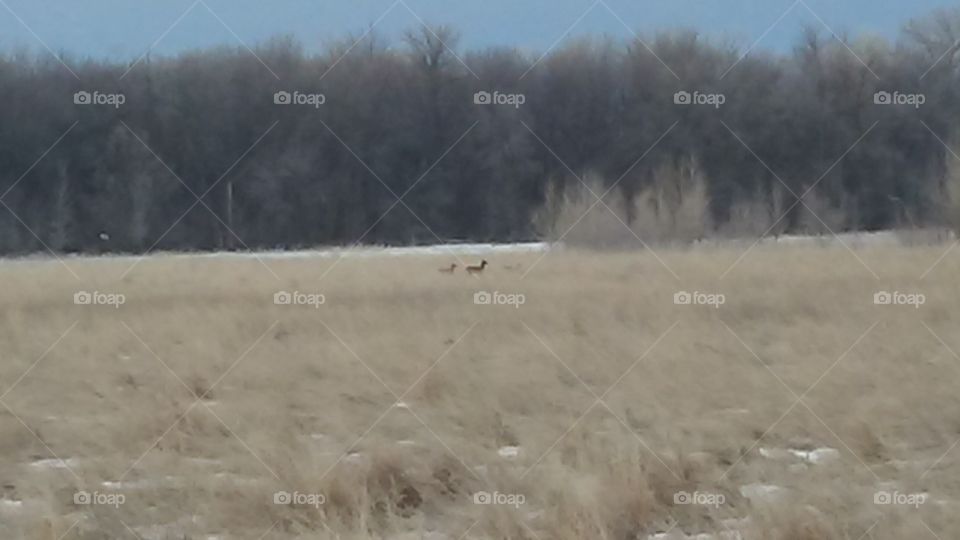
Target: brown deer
{"points": [[478, 268]]}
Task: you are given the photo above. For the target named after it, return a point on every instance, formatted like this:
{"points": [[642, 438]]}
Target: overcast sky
{"points": [[121, 29]]}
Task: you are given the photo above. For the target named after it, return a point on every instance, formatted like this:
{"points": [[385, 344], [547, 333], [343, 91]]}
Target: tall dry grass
{"points": [[199, 398], [672, 210]]}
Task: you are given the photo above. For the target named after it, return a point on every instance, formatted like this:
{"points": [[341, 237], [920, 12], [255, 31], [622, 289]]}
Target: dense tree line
{"points": [[403, 122]]}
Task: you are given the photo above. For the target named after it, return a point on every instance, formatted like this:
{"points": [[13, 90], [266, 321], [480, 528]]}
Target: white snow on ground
{"points": [[819, 455], [355, 458], [333, 253], [679, 535], [145, 483], [852, 240], [859, 239], [759, 493], [509, 452], [52, 463], [438, 249], [774, 453], [816, 456], [9, 504]]}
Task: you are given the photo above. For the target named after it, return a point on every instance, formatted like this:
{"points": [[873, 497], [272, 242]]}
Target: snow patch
{"points": [[509, 452], [680, 535], [758, 492], [355, 457], [774, 453], [54, 463], [817, 456], [10, 504], [332, 253]]}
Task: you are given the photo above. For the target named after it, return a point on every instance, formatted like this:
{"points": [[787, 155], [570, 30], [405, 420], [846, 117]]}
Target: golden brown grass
{"points": [[199, 398]]}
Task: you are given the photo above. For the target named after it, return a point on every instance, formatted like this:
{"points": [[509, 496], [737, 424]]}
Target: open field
{"points": [[798, 409]]}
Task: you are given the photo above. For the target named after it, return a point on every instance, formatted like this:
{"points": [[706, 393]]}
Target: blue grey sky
{"points": [[124, 29]]}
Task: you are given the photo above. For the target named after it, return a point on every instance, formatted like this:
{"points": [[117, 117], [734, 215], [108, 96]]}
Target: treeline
{"points": [[371, 123]]}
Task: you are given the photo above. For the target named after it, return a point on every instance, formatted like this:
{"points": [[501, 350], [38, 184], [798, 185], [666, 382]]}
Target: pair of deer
{"points": [[471, 269]]}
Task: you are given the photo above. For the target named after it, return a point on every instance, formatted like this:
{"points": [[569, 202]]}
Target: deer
{"points": [[478, 268], [448, 269]]}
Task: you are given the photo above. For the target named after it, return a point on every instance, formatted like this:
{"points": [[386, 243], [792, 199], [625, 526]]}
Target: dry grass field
{"points": [[597, 409]]}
